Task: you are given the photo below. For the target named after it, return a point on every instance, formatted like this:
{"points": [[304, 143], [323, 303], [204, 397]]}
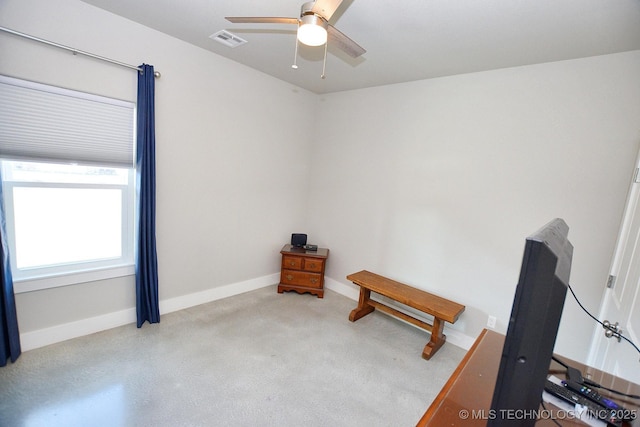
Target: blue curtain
{"points": [[147, 308], [9, 334]]}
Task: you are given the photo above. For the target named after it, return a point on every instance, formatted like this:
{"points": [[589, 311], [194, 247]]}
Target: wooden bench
{"points": [[442, 310]]}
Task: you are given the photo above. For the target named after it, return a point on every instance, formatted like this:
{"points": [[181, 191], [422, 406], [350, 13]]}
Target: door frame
{"points": [[599, 348]]}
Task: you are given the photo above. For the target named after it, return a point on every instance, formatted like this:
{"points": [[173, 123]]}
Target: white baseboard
{"points": [[213, 294], [348, 290], [42, 337], [454, 336], [58, 333], [459, 339]]}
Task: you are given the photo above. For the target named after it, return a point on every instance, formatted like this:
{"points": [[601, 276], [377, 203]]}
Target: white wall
{"points": [[437, 183], [229, 147]]}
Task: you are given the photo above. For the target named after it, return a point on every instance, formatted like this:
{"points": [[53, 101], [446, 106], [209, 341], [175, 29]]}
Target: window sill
{"points": [[37, 284]]}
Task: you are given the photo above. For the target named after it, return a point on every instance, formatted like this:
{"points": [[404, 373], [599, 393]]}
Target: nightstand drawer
{"points": [[301, 278], [302, 270], [292, 262], [312, 264]]}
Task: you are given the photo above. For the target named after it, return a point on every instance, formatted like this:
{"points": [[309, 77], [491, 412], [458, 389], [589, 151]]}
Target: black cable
{"points": [[560, 362], [617, 334], [573, 374]]}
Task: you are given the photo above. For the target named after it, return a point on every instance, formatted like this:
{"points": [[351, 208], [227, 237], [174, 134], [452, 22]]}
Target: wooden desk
{"points": [[470, 387]]}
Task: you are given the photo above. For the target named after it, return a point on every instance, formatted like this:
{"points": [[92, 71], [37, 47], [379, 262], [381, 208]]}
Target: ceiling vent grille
{"points": [[227, 38]]}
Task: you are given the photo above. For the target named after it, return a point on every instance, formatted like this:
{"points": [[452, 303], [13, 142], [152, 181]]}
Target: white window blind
{"points": [[46, 123]]}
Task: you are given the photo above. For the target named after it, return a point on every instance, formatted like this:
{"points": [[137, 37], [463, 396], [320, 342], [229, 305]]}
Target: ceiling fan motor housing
{"points": [[307, 10]]}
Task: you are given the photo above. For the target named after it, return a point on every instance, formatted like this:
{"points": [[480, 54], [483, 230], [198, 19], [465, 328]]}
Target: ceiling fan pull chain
{"points": [[324, 62], [295, 57]]}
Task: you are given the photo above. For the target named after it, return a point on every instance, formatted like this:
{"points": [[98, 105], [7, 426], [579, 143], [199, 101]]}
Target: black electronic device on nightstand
{"points": [[298, 240]]}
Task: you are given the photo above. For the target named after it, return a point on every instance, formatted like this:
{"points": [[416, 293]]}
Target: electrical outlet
{"points": [[491, 322]]}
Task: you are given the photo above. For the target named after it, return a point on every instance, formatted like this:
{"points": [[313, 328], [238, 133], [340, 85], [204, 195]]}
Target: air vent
{"points": [[227, 39]]}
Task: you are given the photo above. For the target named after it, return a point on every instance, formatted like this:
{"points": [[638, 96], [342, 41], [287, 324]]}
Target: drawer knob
{"points": [[292, 263], [289, 277], [312, 265], [314, 280]]}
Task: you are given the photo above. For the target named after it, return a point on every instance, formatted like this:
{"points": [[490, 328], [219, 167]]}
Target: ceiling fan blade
{"points": [[336, 38], [260, 20], [325, 8]]}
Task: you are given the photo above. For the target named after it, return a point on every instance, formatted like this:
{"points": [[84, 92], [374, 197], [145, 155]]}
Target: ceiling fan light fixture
{"points": [[312, 30]]}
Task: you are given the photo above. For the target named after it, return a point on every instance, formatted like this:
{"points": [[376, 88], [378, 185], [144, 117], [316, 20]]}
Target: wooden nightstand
{"points": [[303, 271]]}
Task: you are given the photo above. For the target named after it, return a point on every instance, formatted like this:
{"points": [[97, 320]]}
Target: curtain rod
{"points": [[75, 51]]}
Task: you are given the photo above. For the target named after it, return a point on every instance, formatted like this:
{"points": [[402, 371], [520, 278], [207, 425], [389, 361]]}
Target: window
{"points": [[67, 218], [68, 184]]}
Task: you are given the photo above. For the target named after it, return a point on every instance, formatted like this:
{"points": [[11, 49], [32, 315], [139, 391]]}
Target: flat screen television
{"points": [[533, 326]]}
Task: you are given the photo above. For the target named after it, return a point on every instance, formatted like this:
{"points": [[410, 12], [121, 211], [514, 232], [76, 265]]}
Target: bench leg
{"points": [[363, 307], [437, 339]]}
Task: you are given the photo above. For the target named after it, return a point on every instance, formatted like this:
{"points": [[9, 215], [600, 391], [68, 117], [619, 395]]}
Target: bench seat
{"points": [[442, 309]]}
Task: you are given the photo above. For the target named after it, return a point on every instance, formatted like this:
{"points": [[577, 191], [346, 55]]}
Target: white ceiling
{"points": [[405, 39]]}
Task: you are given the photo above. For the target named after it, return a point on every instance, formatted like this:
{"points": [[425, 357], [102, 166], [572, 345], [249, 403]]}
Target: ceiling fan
{"points": [[313, 26]]}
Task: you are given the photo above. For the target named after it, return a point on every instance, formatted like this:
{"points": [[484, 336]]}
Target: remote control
{"points": [[593, 395], [575, 398]]}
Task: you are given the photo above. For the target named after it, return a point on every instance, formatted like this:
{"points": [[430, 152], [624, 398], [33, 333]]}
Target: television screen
{"points": [[533, 325]]}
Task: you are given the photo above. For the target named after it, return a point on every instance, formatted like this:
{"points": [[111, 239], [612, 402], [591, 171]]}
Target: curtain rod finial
{"points": [[157, 74]]}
